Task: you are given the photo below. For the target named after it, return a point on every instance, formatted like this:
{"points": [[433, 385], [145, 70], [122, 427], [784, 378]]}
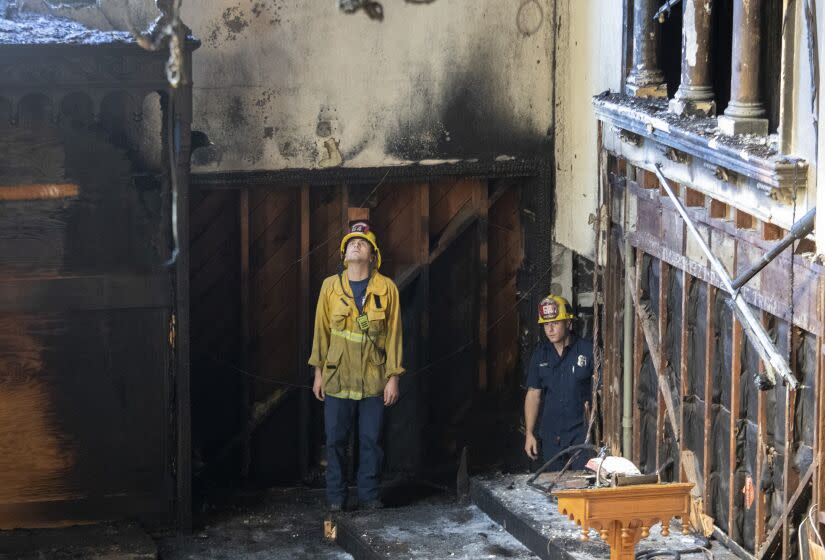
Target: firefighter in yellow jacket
{"points": [[356, 353]]}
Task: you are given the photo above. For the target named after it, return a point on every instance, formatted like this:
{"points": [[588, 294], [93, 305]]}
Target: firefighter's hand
{"points": [[391, 391], [531, 446], [318, 385]]}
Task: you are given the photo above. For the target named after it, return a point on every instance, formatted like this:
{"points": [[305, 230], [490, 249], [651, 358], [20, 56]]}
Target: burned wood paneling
{"points": [[215, 300], [757, 448], [430, 235], [86, 331], [505, 259]]}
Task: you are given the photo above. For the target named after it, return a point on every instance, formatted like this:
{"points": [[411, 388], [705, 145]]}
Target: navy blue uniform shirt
{"points": [[566, 382]]}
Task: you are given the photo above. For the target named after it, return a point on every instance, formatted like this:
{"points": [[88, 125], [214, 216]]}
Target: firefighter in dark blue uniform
{"points": [[560, 375]]}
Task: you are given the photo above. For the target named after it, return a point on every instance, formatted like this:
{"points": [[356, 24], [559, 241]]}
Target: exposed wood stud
{"points": [[246, 389], [761, 452], [819, 436], [675, 186], [694, 198], [638, 351], [771, 232], [648, 180], [744, 220], [687, 283], [710, 343], [819, 432], [664, 350], [735, 405], [718, 209], [304, 287], [482, 239], [790, 476]]}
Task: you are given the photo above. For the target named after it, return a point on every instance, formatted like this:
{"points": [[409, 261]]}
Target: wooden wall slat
{"points": [[638, 351], [710, 346], [735, 405]]}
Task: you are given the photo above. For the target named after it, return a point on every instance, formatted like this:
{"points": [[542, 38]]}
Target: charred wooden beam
{"points": [[710, 338], [687, 283], [790, 476], [481, 203], [761, 454], [735, 406], [304, 328], [44, 191], [246, 383], [638, 350], [664, 350]]}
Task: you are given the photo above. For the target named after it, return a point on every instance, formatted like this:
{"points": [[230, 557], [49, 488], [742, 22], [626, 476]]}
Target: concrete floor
{"points": [[277, 524]]}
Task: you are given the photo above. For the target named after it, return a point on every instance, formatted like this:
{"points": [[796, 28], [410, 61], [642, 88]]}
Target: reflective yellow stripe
{"points": [[349, 335]]}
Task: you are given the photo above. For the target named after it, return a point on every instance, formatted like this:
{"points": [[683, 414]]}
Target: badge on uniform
{"points": [[364, 322], [582, 361]]}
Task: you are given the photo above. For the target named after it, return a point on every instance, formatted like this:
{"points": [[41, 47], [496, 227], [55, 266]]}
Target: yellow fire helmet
{"points": [[362, 230], [554, 308]]}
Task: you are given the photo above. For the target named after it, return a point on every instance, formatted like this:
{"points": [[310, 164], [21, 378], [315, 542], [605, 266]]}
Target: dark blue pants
{"points": [[339, 418]]}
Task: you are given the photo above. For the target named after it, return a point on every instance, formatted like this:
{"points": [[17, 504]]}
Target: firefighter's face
{"points": [[358, 250], [557, 331]]}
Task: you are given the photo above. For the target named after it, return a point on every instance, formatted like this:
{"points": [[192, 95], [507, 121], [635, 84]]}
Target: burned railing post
{"points": [[646, 78], [695, 95], [745, 113]]}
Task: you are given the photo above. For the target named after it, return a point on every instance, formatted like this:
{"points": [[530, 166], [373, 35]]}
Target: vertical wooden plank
{"points": [[423, 295], [735, 405], [246, 391], [761, 451], [790, 476], [482, 240], [304, 326], [608, 289], [819, 438], [664, 350], [709, 351], [687, 282], [638, 351], [182, 116]]}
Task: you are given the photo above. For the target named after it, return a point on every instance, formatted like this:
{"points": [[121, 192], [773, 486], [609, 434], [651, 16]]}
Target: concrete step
{"points": [[432, 531]]}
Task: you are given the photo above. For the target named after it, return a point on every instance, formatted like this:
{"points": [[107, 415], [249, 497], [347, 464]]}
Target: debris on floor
{"points": [[278, 524], [110, 541]]}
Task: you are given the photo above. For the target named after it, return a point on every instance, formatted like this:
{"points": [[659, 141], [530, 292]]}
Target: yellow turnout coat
{"points": [[356, 363]]}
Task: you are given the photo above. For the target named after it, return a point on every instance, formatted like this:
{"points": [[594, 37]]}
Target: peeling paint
{"points": [[689, 34]]}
